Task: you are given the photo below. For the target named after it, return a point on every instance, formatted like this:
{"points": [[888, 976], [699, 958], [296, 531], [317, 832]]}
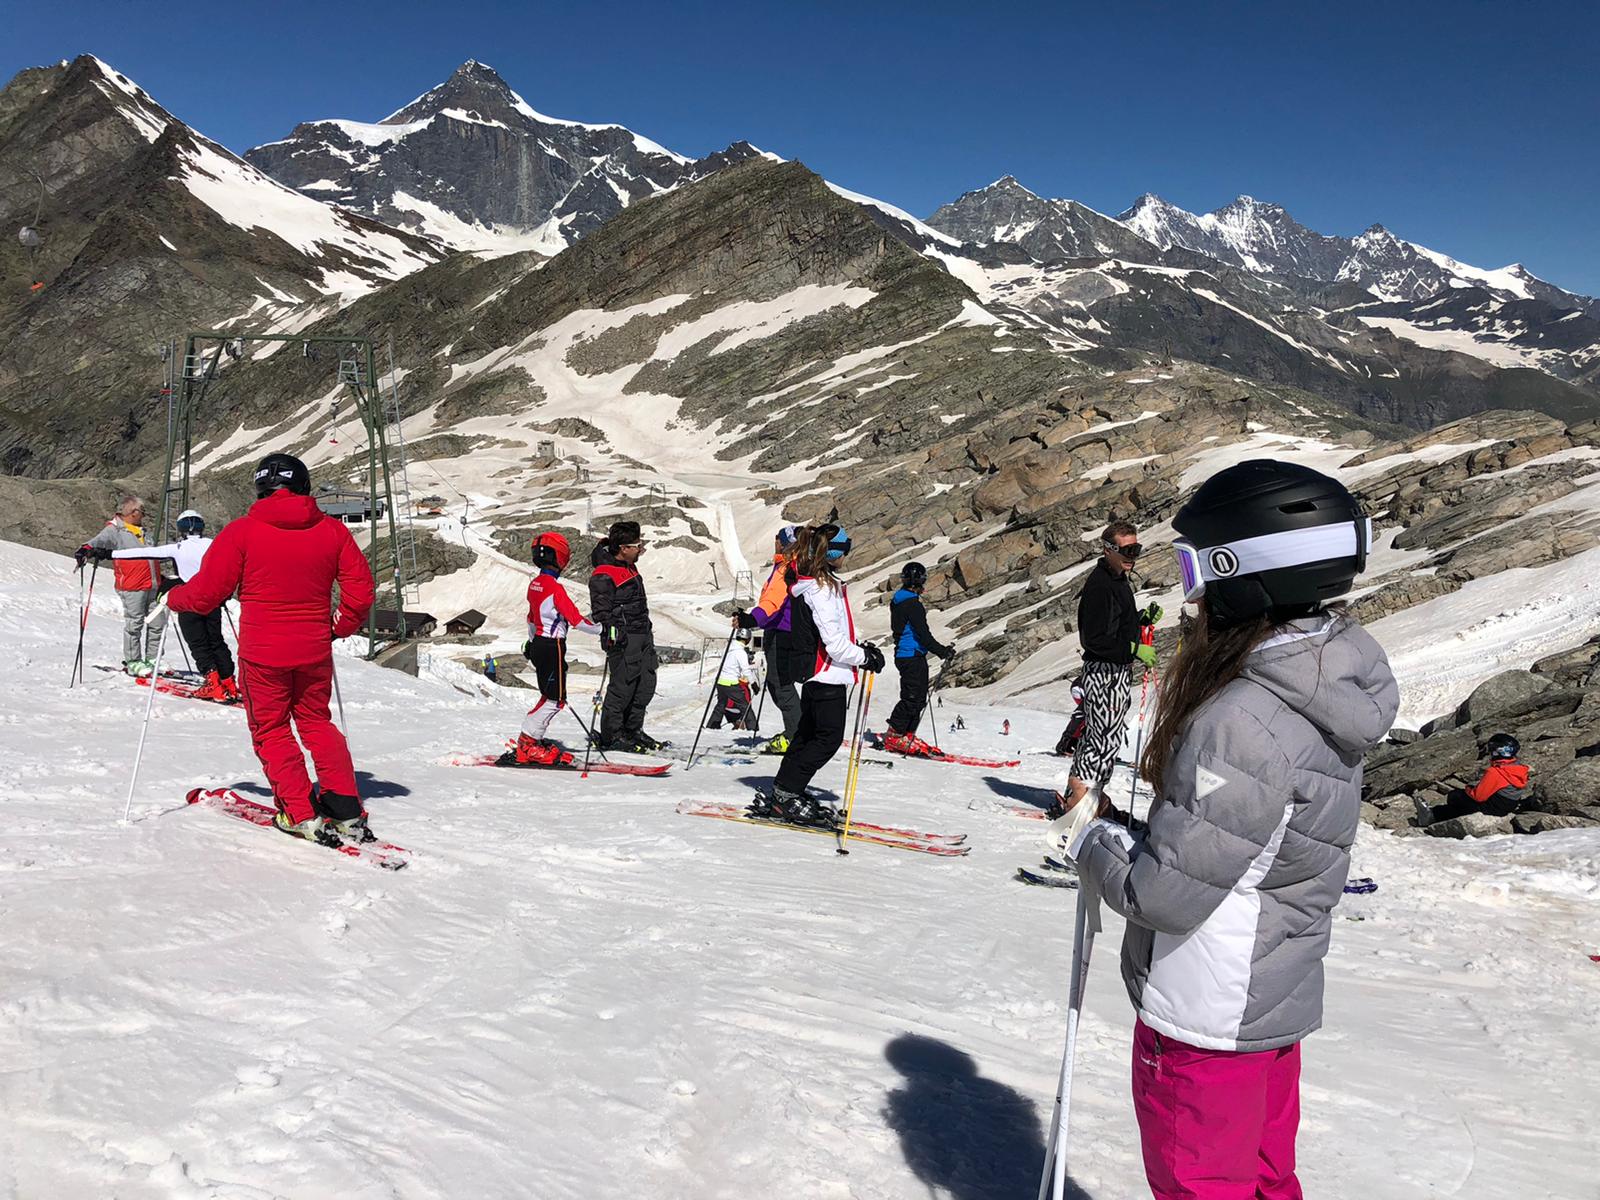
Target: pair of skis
{"points": [[896, 837], [594, 768], [385, 855]]}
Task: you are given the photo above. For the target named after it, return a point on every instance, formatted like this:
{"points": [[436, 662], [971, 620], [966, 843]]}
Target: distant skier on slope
{"points": [[622, 610], [1255, 761], [913, 642], [735, 680], [283, 558], [551, 614], [1501, 791], [825, 631], [203, 631], [135, 583], [772, 614]]}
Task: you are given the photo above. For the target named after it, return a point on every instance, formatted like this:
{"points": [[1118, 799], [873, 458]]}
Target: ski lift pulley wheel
{"points": [[30, 237]]}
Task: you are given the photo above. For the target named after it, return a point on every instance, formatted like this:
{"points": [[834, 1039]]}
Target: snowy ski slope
{"points": [[575, 992]]}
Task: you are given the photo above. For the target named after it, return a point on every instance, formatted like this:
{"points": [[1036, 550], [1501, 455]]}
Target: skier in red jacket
{"points": [[1501, 791], [283, 558]]}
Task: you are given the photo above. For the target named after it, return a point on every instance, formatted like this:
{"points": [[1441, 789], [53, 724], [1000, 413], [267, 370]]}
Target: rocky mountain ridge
{"points": [[473, 165]]}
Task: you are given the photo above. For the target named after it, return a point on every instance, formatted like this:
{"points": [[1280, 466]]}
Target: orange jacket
{"points": [[1502, 774]]}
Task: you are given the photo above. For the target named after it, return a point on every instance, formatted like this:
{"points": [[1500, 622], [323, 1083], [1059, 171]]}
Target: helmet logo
{"points": [[1224, 562]]}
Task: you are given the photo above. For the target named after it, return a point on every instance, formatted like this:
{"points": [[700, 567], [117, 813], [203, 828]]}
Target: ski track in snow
{"points": [[574, 992]]}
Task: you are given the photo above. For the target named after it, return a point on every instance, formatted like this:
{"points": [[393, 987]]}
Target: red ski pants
{"points": [[1216, 1124], [275, 696]]}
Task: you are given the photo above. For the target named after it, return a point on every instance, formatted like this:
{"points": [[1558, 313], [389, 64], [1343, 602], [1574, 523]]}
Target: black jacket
{"points": [[1108, 620], [616, 595]]}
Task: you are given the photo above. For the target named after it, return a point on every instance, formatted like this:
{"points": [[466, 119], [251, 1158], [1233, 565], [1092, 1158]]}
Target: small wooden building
{"points": [[464, 623], [417, 624]]}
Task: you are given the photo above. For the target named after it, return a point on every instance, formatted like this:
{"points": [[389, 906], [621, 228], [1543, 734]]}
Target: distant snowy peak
{"points": [[1049, 230], [1264, 239], [474, 164], [341, 253]]}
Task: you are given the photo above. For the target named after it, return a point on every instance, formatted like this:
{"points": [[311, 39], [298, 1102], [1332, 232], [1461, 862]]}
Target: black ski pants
{"points": [[203, 632], [817, 738], [1502, 804], [632, 686], [784, 691], [733, 703], [907, 714]]}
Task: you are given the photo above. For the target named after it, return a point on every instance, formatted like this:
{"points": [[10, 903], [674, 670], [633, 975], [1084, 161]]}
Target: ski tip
{"points": [[194, 795]]}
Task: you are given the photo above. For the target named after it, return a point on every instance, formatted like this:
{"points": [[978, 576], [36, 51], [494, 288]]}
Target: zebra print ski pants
{"points": [[1107, 693]]}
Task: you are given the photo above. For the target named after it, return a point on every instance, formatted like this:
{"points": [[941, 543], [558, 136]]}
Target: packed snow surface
{"points": [[574, 991]]}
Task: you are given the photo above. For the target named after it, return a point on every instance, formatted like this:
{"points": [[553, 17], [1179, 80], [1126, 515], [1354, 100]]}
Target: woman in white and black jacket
{"points": [[824, 628]]}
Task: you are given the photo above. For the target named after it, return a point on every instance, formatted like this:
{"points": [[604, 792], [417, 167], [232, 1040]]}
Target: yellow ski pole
{"points": [[853, 766]]}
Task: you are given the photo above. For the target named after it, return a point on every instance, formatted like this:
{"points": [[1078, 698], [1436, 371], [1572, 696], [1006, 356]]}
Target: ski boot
{"points": [[908, 744], [139, 668], [343, 815], [645, 744], [807, 811], [776, 805], [778, 745], [232, 689], [312, 829], [212, 689], [532, 752]]}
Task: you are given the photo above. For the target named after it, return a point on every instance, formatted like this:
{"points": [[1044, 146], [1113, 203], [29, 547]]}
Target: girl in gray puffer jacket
{"points": [[1255, 759]]}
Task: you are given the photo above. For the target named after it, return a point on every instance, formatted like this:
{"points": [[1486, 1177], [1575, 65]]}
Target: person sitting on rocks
{"points": [[1501, 791]]}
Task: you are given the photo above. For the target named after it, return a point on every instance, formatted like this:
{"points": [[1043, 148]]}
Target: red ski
{"points": [[225, 800], [1017, 810], [965, 760], [171, 687], [706, 808], [597, 768]]}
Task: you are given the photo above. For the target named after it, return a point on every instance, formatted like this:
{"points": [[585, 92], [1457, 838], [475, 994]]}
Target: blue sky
{"points": [[1466, 126]]}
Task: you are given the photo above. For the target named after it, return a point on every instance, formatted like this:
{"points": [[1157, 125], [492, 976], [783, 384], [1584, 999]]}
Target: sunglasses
{"points": [[1130, 552]]}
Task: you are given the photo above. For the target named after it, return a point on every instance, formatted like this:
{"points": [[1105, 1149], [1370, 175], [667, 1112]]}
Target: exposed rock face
{"points": [[150, 230], [1049, 230], [471, 163], [1557, 724]]}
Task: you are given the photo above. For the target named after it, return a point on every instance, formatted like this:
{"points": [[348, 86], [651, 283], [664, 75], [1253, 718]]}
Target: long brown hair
{"points": [[1208, 661], [811, 555]]}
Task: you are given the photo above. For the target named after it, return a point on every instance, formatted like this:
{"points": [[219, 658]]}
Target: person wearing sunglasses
{"points": [[1109, 631], [1255, 763]]}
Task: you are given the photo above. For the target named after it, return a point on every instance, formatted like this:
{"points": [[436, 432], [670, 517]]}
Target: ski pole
{"points": [[1052, 1184], [594, 716], [149, 706], [83, 622], [705, 716], [852, 775], [587, 731]]}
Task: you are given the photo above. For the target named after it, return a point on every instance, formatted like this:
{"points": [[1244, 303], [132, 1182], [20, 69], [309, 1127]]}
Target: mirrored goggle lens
{"points": [[1130, 551], [1189, 570]]}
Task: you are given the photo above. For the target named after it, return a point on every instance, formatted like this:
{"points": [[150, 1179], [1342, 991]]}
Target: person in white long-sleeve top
{"points": [[736, 682], [203, 631], [822, 622]]}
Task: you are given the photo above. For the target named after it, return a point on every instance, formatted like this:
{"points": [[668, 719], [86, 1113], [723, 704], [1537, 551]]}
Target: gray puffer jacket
{"points": [[1230, 895]]}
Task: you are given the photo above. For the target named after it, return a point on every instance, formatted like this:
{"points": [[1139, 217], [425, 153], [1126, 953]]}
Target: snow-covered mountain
{"points": [[149, 229], [471, 163], [1265, 239], [1049, 230]]}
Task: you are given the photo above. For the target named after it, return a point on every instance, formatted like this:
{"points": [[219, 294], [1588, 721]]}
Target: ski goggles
{"points": [[1130, 552], [1271, 552]]}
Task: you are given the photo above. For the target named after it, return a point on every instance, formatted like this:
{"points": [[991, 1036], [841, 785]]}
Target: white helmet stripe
{"points": [[1291, 548]]}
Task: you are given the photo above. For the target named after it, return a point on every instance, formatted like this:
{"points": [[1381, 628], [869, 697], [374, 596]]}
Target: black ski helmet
{"points": [[1270, 537], [282, 471], [1503, 745], [913, 575]]}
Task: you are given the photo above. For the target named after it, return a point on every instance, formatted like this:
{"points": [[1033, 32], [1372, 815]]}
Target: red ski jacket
{"points": [[283, 558], [1506, 773]]}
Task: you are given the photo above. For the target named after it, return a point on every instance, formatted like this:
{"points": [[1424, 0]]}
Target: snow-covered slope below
{"points": [[575, 992]]}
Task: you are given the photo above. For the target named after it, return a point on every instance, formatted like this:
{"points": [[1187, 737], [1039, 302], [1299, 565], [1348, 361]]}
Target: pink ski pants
{"points": [[1216, 1124]]}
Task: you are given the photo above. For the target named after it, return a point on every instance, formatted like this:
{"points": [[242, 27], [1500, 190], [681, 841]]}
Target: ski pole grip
{"points": [[161, 607]]}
